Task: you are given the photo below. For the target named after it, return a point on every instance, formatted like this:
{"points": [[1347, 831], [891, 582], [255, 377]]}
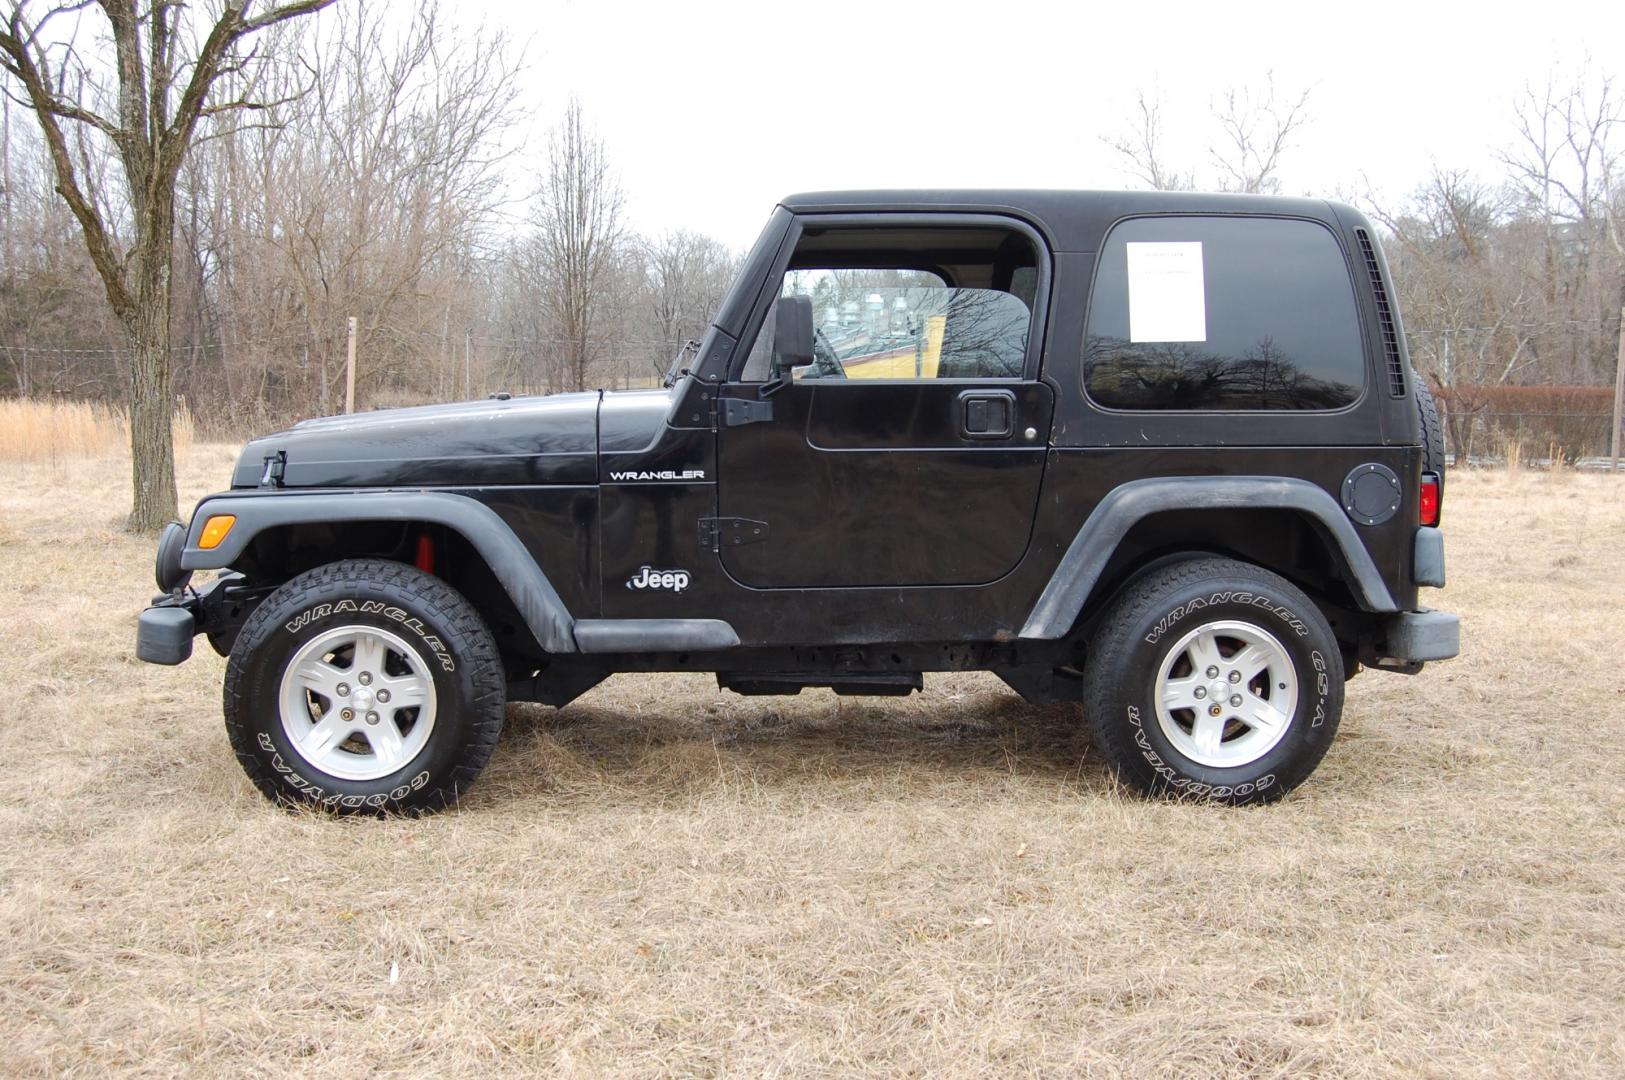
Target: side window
{"points": [[908, 324], [910, 303], [1221, 313]]}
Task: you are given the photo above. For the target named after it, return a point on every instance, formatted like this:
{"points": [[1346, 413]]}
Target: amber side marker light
{"points": [[1430, 499], [215, 530]]}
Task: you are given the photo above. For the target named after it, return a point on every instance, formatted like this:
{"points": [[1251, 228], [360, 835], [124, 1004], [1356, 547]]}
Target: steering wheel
{"points": [[825, 365]]}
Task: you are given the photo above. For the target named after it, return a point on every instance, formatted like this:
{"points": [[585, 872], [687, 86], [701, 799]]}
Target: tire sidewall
{"points": [[1313, 652], [290, 621]]}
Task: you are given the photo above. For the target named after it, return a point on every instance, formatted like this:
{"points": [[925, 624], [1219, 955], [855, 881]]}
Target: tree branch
{"points": [[47, 107]]}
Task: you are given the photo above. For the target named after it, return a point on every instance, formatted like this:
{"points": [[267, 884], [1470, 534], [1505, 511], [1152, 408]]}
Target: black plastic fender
{"points": [[1080, 568], [532, 594]]}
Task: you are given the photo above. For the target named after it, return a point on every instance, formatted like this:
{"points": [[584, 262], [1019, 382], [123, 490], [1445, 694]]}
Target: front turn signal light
{"points": [[215, 530]]}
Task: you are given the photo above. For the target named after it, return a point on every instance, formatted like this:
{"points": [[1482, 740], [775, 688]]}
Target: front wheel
{"points": [[364, 686], [1214, 679]]}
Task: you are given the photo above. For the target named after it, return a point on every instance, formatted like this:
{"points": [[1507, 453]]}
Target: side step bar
{"points": [[847, 684]]}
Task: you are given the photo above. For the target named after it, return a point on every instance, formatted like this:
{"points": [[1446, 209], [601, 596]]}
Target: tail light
{"points": [[1430, 499]]}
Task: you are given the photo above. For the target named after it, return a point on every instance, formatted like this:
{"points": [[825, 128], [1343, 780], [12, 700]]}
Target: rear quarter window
{"points": [[1222, 313]]}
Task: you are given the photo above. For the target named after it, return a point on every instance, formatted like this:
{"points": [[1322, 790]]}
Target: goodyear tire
{"points": [[364, 686], [1213, 679]]}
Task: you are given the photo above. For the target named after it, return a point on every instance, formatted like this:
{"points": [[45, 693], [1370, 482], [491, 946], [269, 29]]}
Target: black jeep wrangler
{"points": [[1160, 454]]}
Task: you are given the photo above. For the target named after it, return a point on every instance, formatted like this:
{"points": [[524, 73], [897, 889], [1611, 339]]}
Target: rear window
{"points": [[1216, 313]]}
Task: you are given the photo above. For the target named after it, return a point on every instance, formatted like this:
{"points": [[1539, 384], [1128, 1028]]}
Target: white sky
{"points": [[712, 111]]}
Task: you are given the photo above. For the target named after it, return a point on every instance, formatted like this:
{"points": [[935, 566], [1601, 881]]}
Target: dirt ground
{"points": [[666, 880]]}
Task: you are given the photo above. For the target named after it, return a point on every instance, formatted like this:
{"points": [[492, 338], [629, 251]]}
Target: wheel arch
{"points": [[1145, 524], [275, 523]]}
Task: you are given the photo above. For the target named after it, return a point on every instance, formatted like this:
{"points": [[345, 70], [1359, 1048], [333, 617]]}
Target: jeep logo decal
{"points": [[648, 578]]}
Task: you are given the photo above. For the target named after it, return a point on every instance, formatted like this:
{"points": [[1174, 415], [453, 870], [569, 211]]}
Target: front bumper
{"points": [[164, 632]]}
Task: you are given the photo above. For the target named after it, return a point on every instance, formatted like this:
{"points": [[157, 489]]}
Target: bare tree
{"points": [[1142, 146], [166, 74], [1566, 156], [685, 277], [580, 238], [1257, 127], [1469, 308], [1568, 171], [369, 200]]}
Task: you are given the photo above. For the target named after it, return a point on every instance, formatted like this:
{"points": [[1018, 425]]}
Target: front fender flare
{"points": [[1080, 568], [511, 563]]}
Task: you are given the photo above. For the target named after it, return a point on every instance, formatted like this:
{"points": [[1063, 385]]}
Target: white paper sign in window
{"points": [[1165, 298]]}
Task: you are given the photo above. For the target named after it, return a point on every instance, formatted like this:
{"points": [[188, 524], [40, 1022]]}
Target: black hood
{"points": [[523, 440]]}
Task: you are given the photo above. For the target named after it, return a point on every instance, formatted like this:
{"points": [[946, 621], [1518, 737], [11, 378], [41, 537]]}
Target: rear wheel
{"points": [[1214, 679], [364, 686]]}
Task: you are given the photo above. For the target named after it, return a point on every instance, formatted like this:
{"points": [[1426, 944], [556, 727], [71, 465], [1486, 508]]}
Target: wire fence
{"points": [[1490, 436]]}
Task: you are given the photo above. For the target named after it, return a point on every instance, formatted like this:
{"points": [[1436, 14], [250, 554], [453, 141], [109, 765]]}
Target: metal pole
{"points": [[1619, 397], [349, 372]]}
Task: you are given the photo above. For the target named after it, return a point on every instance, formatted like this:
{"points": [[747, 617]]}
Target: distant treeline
{"points": [[376, 188]]}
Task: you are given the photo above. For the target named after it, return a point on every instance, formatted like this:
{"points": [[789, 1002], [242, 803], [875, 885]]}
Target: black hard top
{"points": [[1073, 220]]}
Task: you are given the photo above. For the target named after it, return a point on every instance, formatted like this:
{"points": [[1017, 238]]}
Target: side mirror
{"points": [[792, 334]]}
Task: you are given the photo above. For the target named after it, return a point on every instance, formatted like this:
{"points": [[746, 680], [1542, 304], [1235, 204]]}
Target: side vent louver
{"points": [[1385, 315]]}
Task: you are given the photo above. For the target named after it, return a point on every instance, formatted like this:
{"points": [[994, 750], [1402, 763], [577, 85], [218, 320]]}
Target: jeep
{"points": [[1160, 454]]}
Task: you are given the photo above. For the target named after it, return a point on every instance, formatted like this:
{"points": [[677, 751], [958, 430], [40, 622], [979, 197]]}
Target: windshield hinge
{"points": [[720, 532]]}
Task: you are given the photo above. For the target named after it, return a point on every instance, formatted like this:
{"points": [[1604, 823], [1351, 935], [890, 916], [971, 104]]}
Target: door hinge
{"points": [[737, 412], [275, 464], [717, 533]]}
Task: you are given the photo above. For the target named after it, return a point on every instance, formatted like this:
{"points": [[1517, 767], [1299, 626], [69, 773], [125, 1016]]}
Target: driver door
{"points": [[908, 448]]}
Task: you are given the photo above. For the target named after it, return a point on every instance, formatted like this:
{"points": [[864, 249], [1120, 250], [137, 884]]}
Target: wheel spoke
{"points": [[370, 651], [329, 731], [405, 691], [1181, 693], [1204, 652], [1208, 731], [1250, 661], [1260, 715], [385, 739], [318, 675]]}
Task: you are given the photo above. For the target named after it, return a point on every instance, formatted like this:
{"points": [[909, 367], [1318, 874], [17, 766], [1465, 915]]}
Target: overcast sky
{"points": [[713, 111]]}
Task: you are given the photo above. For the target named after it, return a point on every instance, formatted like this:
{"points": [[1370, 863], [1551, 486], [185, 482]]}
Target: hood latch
{"points": [[275, 464]]}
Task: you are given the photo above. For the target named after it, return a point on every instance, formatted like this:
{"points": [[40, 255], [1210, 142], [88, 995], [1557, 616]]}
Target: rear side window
{"points": [[1217, 313]]}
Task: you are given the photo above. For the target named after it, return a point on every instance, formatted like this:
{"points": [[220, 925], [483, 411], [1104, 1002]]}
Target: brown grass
{"points": [[664, 879], [51, 431]]}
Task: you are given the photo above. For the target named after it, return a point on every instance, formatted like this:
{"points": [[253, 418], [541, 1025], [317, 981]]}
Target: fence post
{"points": [[1619, 397], [349, 371]]}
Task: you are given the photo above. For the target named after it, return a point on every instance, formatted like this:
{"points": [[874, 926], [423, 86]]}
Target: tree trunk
{"points": [[152, 406]]}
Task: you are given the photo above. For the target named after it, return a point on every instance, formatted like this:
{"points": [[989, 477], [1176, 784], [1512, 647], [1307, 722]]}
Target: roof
{"points": [[1073, 220]]}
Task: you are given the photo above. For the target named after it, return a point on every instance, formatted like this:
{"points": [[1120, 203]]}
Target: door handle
{"points": [[987, 414]]}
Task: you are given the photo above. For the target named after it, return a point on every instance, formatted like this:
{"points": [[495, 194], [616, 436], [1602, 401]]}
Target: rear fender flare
{"points": [[1086, 557], [511, 563]]}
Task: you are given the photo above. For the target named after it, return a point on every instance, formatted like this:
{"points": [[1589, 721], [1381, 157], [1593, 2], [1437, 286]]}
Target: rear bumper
{"points": [[1409, 639]]}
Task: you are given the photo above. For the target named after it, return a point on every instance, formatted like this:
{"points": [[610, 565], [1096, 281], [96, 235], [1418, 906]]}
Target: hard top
{"points": [[1072, 220]]}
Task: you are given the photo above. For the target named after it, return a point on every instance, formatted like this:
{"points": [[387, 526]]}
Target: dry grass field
{"points": [[667, 880]]}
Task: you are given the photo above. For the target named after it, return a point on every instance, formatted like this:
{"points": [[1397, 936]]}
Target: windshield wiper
{"points": [[675, 370]]}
